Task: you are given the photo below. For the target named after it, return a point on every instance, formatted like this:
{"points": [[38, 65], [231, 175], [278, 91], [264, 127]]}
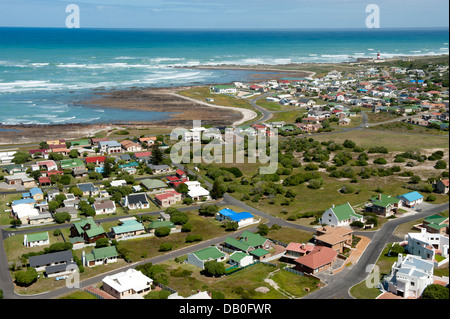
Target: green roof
{"points": [[436, 226], [344, 212], [436, 219], [161, 223], [102, 253], [153, 183], [209, 253], [253, 239], [237, 243], [128, 226], [94, 231], [224, 86], [37, 237], [384, 201], [69, 163], [259, 252], [79, 142], [238, 256]]}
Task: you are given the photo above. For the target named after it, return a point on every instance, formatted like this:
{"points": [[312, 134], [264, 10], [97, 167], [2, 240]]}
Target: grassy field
{"points": [[391, 140], [242, 284]]}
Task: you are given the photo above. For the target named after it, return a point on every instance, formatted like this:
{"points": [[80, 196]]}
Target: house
{"points": [[20, 179], [384, 205], [36, 239], [35, 193], [150, 140], [159, 169], [110, 147], [24, 212], [54, 263], [96, 140], [336, 238], [427, 245], [71, 210], [409, 276], [168, 198], [441, 186], [296, 250], [126, 284], [104, 207], [118, 183], [199, 257], [154, 185], [80, 144], [223, 89], [341, 215], [240, 259], [411, 199], [196, 191], [250, 243], [436, 224], [344, 121], [73, 164], [161, 223], [128, 228], [136, 201], [143, 156], [100, 256], [97, 160], [48, 165], [130, 146], [88, 229], [319, 259], [42, 217], [88, 189], [242, 219]]}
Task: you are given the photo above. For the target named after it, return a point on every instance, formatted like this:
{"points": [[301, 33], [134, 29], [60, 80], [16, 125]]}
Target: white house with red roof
{"points": [[168, 198]]}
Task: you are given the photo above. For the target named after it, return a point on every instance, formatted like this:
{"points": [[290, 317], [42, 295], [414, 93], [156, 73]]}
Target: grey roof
{"points": [[137, 198], [59, 268], [45, 259], [87, 187]]}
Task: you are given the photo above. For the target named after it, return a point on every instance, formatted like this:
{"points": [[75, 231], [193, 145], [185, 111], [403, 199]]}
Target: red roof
{"points": [[44, 180], [320, 256], [167, 194], [301, 248], [143, 154], [95, 159], [445, 182], [179, 172]]}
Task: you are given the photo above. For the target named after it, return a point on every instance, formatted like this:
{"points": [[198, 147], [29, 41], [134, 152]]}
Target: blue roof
{"points": [[23, 201], [412, 196], [241, 216], [227, 212], [235, 216], [35, 191]]}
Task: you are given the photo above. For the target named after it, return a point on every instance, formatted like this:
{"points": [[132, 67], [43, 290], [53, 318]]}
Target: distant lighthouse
{"points": [[378, 56], [378, 59]]}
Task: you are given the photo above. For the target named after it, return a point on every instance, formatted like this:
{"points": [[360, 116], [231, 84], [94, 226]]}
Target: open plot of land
{"points": [[391, 140]]}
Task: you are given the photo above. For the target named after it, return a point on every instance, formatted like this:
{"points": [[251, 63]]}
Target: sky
{"points": [[225, 14]]}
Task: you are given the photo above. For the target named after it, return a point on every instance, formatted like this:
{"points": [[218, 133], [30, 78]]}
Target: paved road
{"points": [[343, 281]]}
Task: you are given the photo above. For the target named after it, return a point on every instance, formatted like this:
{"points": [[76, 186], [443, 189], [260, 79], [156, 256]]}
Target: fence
{"points": [[277, 242], [163, 287], [293, 271]]}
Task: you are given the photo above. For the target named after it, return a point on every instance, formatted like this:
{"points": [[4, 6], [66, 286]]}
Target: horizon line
{"points": [[231, 29]]}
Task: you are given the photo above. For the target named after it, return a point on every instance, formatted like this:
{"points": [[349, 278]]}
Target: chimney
{"points": [[399, 259], [379, 196]]}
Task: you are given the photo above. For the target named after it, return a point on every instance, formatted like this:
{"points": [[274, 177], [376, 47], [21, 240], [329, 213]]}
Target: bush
{"points": [[26, 278], [430, 198], [380, 161], [193, 238], [440, 165], [162, 231], [165, 247], [213, 268]]}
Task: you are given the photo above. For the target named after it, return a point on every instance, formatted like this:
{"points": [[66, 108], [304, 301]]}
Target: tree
{"points": [[213, 268], [435, 291], [61, 217], [263, 229], [73, 153], [165, 247], [102, 242], [208, 210], [26, 278], [76, 191], [218, 190], [21, 157], [187, 228], [182, 189], [157, 155]]}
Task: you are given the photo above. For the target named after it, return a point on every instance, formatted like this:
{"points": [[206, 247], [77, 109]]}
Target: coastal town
{"points": [[362, 180]]}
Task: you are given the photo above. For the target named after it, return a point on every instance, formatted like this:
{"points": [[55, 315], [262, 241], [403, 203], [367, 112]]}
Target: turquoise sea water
{"points": [[43, 71]]}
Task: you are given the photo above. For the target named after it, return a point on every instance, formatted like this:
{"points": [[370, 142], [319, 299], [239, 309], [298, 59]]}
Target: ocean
{"points": [[44, 71]]}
